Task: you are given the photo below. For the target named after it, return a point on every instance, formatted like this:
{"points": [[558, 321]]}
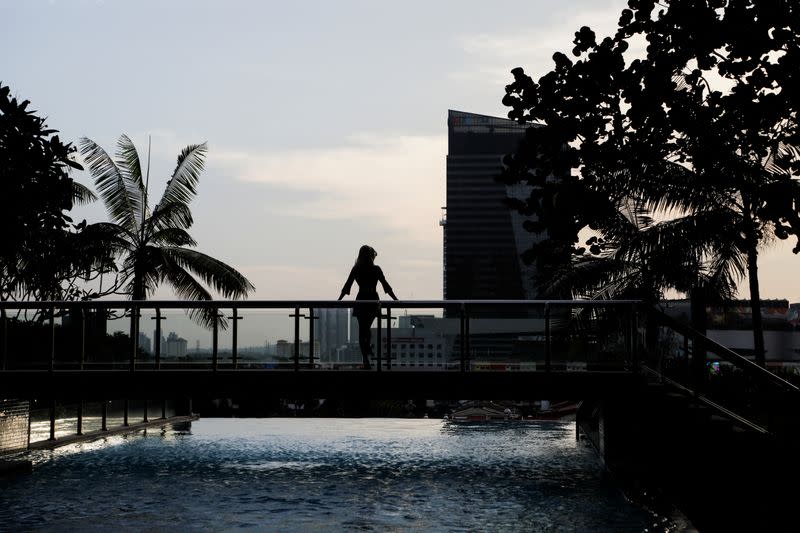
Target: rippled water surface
{"points": [[324, 475]]}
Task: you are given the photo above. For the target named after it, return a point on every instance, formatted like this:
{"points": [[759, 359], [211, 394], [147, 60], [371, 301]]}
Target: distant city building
{"points": [[418, 348], [483, 239], [284, 348], [174, 346], [332, 331], [411, 321], [144, 343]]}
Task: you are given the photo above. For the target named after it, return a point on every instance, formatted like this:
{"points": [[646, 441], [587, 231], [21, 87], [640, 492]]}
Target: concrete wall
{"points": [[13, 425]]}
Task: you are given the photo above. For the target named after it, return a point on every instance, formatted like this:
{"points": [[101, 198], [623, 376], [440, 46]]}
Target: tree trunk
{"points": [[755, 304], [699, 321]]}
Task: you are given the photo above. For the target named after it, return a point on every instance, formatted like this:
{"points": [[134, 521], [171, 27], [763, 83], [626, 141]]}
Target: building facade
{"points": [[332, 331], [483, 239]]}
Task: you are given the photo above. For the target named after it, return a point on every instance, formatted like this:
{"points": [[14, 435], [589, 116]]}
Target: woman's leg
{"points": [[365, 336]]}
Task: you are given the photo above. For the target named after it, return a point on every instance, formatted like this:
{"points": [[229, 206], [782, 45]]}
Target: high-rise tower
{"points": [[483, 238]]}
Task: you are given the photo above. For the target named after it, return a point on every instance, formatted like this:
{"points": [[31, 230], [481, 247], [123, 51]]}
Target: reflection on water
{"points": [[324, 475]]}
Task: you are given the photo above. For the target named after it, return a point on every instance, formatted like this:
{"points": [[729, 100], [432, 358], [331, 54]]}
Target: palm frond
{"points": [[779, 160], [187, 287], [81, 194], [182, 186], [132, 172], [222, 278], [111, 184], [176, 215], [113, 237], [171, 237]]}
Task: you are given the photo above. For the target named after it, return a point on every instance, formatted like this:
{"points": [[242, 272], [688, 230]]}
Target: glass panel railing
{"points": [[107, 338], [504, 337], [29, 339], [418, 339], [720, 375], [490, 336]]}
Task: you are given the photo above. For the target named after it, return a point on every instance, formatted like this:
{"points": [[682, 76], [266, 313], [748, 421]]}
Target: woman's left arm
{"points": [[385, 284]]}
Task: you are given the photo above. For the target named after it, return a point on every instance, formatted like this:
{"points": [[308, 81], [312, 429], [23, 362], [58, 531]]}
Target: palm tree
{"points": [[637, 257], [154, 244]]}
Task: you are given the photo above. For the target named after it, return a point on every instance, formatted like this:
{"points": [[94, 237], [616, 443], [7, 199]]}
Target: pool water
{"points": [[330, 474]]}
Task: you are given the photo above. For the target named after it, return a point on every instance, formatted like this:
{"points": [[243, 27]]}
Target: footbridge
{"points": [[666, 408], [421, 349]]}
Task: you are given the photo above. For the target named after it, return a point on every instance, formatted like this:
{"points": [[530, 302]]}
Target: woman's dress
{"points": [[367, 278]]}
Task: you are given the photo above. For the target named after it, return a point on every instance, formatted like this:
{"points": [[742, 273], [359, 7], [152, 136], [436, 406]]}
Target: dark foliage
{"points": [[42, 253], [698, 130]]}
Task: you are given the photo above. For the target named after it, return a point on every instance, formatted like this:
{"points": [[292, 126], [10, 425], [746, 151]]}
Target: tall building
{"points": [[144, 343], [331, 330], [483, 238], [174, 346]]}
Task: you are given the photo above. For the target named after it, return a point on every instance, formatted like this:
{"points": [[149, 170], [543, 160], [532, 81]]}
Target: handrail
{"points": [[278, 304], [722, 351], [462, 311], [701, 398]]}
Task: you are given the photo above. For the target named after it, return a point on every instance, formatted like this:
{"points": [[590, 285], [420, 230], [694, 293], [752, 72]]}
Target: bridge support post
{"points": [[79, 430], [462, 338], [547, 355], [52, 339], [215, 341], [163, 408], [52, 420], [388, 338], [82, 313], [134, 336], [145, 419], [235, 337], [296, 339], [311, 319], [379, 346], [104, 416], [125, 412], [157, 341], [467, 344]]}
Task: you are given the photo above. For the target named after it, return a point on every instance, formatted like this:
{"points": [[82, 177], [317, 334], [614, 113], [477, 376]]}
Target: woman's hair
{"points": [[366, 256]]}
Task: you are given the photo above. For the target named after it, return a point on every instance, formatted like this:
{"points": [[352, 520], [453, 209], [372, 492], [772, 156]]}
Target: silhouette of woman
{"points": [[367, 274]]}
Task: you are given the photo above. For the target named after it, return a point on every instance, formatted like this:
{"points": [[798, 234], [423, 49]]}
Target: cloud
{"points": [[395, 181], [491, 56]]}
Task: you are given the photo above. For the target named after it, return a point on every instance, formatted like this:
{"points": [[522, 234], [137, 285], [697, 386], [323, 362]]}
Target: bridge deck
{"points": [[314, 384]]}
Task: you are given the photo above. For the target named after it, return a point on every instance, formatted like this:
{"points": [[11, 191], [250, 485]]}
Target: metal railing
{"points": [[530, 334], [720, 378]]}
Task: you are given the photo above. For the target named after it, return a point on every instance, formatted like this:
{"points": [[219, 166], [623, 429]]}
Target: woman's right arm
{"points": [[349, 283]]}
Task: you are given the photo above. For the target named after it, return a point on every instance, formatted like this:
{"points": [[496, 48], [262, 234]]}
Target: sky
{"points": [[326, 121]]}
